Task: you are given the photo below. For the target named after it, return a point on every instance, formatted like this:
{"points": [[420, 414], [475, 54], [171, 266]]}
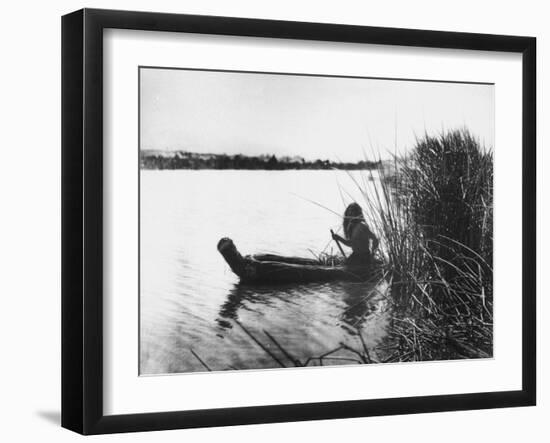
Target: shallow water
{"points": [[190, 299]]}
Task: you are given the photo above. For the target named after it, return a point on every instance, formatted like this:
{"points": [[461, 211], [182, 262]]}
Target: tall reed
{"points": [[433, 212]]}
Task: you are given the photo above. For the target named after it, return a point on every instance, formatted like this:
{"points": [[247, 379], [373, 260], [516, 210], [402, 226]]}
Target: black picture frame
{"points": [[82, 220]]}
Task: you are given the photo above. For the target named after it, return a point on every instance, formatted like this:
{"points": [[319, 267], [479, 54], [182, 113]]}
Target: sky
{"points": [[335, 118]]}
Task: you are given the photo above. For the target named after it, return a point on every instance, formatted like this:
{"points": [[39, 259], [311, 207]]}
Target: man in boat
{"points": [[358, 236]]}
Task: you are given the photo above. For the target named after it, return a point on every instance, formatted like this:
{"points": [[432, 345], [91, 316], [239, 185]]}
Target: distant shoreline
{"points": [[160, 160]]}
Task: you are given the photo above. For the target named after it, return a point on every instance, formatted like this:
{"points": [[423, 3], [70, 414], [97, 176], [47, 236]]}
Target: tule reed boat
{"points": [[275, 269]]}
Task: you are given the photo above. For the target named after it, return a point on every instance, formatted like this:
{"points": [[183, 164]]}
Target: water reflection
{"points": [[362, 300], [253, 297], [357, 300]]}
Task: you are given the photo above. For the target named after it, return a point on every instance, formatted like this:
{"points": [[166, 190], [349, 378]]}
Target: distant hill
{"points": [[150, 159]]}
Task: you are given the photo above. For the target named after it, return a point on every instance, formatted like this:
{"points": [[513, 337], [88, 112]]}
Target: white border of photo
{"points": [[126, 392]]}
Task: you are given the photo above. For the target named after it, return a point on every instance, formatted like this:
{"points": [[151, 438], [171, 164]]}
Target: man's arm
{"points": [[375, 241], [341, 240]]}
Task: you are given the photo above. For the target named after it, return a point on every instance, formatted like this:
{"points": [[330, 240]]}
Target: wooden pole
{"points": [[339, 246]]}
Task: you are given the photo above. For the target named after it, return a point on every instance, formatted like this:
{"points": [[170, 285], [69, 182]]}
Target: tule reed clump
{"points": [[433, 211]]}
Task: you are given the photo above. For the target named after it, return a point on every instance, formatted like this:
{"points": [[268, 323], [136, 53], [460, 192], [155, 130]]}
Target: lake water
{"points": [[191, 301]]}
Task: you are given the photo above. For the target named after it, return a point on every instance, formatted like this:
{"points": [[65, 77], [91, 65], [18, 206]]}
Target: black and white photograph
{"points": [[293, 220]]}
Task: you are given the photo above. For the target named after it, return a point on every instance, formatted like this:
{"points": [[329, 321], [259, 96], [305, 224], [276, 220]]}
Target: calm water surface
{"points": [[190, 299]]}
